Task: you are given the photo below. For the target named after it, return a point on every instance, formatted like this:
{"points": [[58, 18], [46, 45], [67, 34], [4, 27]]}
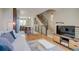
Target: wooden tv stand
{"points": [[72, 43]]}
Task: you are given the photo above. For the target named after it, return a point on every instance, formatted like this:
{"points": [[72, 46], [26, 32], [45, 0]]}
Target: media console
{"points": [[64, 41], [72, 43]]}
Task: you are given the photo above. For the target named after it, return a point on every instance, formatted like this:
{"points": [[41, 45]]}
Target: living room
{"points": [[39, 26]]}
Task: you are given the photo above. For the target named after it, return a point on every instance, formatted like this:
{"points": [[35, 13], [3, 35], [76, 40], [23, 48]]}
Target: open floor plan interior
{"points": [[39, 29]]}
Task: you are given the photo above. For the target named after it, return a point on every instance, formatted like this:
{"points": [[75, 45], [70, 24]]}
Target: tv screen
{"points": [[66, 30]]}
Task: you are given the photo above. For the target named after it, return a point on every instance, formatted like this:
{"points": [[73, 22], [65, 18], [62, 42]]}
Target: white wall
{"points": [[6, 18], [1, 20]]}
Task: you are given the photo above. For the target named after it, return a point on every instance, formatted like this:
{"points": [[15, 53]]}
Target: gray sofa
{"points": [[7, 43]]}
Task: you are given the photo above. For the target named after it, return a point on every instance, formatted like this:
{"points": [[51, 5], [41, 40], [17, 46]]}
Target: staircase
{"points": [[44, 20]]}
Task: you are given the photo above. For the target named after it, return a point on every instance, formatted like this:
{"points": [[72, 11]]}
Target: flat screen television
{"points": [[66, 31]]}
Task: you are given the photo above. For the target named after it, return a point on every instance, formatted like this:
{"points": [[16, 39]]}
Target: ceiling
{"points": [[30, 12]]}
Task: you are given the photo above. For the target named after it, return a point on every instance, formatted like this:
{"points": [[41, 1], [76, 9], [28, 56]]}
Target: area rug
{"points": [[43, 45]]}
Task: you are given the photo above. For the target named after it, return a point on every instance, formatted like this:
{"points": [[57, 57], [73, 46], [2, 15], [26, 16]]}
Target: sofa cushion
{"points": [[8, 36], [5, 45]]}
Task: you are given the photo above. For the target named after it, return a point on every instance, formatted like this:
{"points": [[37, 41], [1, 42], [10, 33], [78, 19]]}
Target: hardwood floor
{"points": [[32, 37]]}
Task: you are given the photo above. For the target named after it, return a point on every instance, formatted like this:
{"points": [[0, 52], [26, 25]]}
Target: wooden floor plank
{"points": [[32, 37]]}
